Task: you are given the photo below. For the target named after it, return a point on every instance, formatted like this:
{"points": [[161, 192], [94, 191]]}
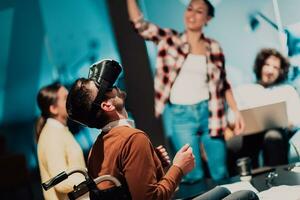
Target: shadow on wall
{"points": [[19, 175]]}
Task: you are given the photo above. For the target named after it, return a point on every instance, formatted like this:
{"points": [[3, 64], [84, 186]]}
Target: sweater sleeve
{"points": [[58, 160], [140, 170]]}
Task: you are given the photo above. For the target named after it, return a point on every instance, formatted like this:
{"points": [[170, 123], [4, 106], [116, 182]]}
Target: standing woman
{"points": [[191, 76], [57, 148]]}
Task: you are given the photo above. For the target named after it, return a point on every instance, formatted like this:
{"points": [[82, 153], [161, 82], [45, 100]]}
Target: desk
{"points": [[285, 177]]}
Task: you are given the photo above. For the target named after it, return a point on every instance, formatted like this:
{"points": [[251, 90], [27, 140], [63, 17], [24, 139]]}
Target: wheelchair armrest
{"points": [[107, 178], [117, 192]]}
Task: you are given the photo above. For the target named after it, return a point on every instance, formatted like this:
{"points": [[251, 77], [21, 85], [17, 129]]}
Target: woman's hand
{"points": [[239, 124]]}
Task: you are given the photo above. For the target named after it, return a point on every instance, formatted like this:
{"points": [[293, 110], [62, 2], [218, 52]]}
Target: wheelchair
{"points": [[88, 188]]}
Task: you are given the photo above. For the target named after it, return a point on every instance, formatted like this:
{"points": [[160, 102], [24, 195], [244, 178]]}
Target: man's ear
{"points": [[107, 106], [53, 109]]}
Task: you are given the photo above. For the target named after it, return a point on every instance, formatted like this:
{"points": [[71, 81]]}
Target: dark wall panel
{"points": [[138, 78]]}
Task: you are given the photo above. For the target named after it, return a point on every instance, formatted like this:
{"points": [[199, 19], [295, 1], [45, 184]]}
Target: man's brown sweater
{"points": [[128, 154]]}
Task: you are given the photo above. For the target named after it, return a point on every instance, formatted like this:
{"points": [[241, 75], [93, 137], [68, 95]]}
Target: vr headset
{"points": [[104, 74]]}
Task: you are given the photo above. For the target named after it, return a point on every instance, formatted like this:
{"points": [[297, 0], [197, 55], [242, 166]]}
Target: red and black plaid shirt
{"points": [[173, 49]]}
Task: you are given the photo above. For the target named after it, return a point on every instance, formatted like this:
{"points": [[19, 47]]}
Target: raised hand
{"points": [[185, 159]]}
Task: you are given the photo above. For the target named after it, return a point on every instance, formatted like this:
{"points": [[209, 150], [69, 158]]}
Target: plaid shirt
{"points": [[173, 49]]}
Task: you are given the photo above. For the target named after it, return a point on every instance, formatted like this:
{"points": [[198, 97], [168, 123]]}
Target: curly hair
{"points": [[261, 58]]}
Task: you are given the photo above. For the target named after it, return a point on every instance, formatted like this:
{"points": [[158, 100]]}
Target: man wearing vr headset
{"points": [[121, 150]]}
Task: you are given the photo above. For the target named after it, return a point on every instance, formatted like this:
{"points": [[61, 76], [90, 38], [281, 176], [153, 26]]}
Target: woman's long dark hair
{"points": [[46, 97]]}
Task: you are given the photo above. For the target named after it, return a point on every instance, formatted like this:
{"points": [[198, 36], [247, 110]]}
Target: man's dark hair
{"points": [[81, 106], [261, 58]]}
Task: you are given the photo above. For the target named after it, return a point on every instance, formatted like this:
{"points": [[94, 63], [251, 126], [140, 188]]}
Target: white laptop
{"points": [[265, 117]]}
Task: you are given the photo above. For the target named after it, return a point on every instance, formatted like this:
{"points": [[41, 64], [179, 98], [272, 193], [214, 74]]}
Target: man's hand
{"points": [[163, 156], [185, 159]]}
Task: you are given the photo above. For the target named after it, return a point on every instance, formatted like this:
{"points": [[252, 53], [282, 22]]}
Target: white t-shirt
{"points": [[190, 86]]}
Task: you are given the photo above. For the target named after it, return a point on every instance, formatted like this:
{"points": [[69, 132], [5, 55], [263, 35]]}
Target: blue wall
{"points": [[41, 42]]}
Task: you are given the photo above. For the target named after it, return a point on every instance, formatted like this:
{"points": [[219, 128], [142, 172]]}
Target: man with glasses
{"points": [[121, 150]]}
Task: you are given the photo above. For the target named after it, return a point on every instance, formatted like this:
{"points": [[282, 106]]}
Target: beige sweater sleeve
{"points": [[62, 153]]}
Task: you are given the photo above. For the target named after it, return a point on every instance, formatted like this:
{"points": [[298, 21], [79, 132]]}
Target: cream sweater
{"points": [[58, 151]]}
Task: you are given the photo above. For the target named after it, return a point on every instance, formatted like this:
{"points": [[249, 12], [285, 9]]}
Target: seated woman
{"points": [[57, 149]]}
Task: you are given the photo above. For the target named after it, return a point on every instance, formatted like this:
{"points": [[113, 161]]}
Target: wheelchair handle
{"points": [[55, 180], [63, 176]]}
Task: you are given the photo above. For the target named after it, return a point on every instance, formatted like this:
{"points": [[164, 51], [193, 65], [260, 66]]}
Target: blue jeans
{"points": [[190, 125]]}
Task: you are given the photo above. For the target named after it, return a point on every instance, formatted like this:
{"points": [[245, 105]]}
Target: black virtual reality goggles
{"points": [[104, 74]]}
